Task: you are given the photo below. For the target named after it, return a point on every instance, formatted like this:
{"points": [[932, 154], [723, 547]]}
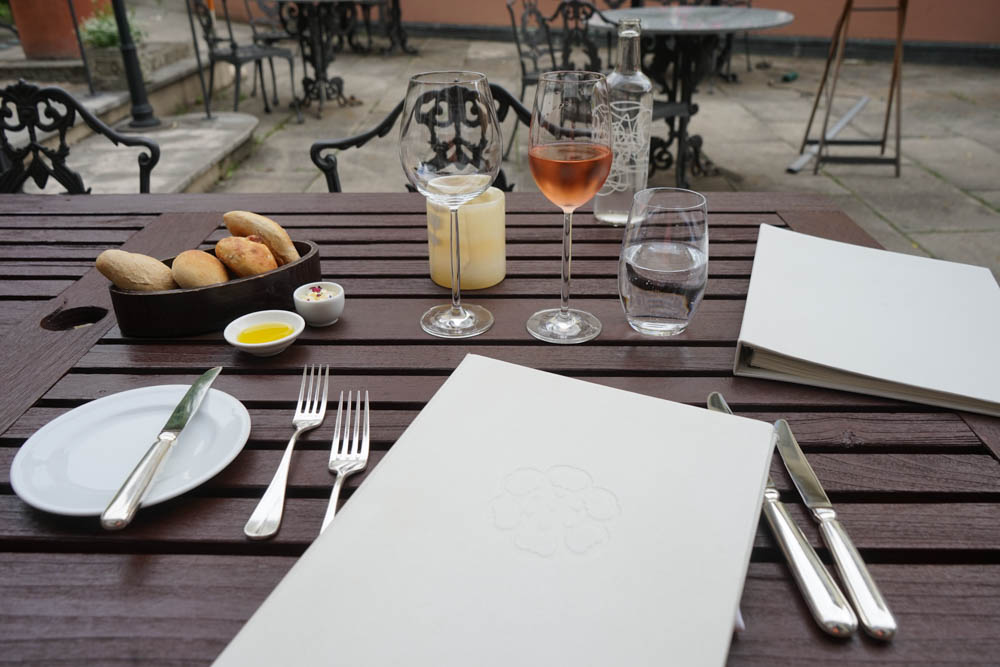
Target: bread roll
{"points": [[245, 223], [245, 257], [197, 268], [133, 271]]}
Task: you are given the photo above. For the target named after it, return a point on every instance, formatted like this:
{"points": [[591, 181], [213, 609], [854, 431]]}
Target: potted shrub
{"points": [[107, 68], [99, 34]]}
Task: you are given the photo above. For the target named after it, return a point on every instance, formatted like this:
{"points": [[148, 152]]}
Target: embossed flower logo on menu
{"points": [[559, 508]]}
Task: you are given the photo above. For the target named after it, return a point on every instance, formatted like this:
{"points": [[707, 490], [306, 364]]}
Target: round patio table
{"points": [[685, 39], [323, 26]]}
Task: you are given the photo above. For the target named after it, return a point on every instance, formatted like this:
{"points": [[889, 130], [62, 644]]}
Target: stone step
{"points": [[170, 88], [194, 154], [194, 151]]}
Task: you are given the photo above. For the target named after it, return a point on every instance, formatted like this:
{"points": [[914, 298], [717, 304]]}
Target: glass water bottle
{"points": [[631, 96]]}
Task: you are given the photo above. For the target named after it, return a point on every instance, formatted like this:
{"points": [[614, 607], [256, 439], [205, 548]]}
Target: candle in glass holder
{"points": [[481, 238]]}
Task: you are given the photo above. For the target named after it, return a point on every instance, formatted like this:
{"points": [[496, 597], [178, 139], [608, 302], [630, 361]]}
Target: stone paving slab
{"points": [[990, 197], [921, 201], [880, 228], [981, 248], [957, 159]]}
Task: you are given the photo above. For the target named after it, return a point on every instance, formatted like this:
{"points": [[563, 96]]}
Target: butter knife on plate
{"points": [[825, 601], [123, 506], [872, 609]]}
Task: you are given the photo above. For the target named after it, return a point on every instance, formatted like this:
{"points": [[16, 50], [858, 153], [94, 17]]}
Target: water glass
{"points": [[663, 265]]}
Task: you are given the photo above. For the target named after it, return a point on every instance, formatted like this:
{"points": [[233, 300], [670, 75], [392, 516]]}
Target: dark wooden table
{"points": [[918, 488]]}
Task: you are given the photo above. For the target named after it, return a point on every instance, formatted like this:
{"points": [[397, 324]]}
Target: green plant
{"points": [[101, 29]]}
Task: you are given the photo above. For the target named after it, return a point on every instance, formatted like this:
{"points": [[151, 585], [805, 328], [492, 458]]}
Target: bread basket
{"points": [[186, 312]]}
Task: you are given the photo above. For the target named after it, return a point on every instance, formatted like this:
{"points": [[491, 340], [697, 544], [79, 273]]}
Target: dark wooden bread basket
{"points": [[186, 312]]}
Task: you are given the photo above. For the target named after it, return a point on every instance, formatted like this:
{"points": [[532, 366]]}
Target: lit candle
{"points": [[481, 239]]}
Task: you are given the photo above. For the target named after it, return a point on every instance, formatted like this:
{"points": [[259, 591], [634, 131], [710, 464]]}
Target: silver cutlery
{"points": [[309, 413], [824, 599], [347, 458], [872, 609], [123, 506]]}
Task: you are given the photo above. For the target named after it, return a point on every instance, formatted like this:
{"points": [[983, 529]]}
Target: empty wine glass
{"points": [[663, 266], [450, 148], [570, 157]]}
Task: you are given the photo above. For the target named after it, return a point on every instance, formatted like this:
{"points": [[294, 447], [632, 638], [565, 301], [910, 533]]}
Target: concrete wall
{"points": [[970, 21]]}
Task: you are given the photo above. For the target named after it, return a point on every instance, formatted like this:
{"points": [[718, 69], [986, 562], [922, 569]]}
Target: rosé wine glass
{"points": [[570, 156]]}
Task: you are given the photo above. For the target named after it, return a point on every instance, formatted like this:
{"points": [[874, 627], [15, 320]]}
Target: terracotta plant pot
{"points": [[238, 11], [45, 27]]}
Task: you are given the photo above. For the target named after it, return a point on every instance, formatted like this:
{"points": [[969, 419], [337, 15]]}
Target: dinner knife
{"points": [[872, 609], [825, 601], [123, 506]]}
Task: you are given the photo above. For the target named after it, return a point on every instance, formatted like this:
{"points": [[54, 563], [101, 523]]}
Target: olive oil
{"points": [[264, 333]]}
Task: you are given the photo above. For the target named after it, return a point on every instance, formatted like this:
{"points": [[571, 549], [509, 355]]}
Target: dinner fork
{"points": [[309, 413], [346, 458]]}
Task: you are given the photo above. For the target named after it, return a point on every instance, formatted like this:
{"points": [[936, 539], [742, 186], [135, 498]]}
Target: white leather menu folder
{"points": [[527, 519], [836, 315]]}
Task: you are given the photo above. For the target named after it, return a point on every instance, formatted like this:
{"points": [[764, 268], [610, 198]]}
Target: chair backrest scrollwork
{"points": [[27, 110], [530, 36], [206, 19], [454, 122], [456, 131], [572, 17]]}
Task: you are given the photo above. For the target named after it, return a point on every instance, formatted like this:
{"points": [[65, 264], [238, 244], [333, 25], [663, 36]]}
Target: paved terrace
{"points": [[946, 204]]}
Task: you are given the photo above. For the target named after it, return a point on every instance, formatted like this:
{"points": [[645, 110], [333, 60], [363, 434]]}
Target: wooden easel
{"points": [[836, 57]]}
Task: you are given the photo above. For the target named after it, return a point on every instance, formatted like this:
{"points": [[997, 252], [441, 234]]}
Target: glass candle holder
{"points": [[482, 241]]}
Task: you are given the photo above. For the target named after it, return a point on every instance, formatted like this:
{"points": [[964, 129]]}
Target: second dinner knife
{"points": [[825, 601], [872, 609]]}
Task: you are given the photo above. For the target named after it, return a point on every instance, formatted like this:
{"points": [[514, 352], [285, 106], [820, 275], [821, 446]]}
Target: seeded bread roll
{"points": [[245, 223], [197, 268], [133, 271], [245, 256]]}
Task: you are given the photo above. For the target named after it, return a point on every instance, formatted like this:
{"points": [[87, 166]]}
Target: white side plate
{"points": [[74, 464]]}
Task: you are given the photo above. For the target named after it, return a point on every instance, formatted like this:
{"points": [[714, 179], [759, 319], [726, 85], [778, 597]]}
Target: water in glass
{"points": [[663, 267]]}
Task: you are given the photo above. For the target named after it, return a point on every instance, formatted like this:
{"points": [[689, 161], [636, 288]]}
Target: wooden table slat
{"points": [[816, 431], [195, 523], [102, 589], [323, 203]]}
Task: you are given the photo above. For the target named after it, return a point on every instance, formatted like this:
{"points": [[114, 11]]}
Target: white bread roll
{"points": [[245, 223], [133, 271], [245, 256], [197, 268]]}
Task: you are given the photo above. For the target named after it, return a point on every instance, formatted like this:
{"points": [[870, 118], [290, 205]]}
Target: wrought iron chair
{"points": [[574, 33], [531, 39], [324, 153], [226, 49], [264, 21], [24, 107]]}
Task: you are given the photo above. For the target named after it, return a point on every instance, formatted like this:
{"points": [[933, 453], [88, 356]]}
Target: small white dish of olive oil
{"points": [[264, 333]]}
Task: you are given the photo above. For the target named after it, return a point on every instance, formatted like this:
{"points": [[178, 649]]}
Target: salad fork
{"points": [[347, 458], [309, 413]]}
